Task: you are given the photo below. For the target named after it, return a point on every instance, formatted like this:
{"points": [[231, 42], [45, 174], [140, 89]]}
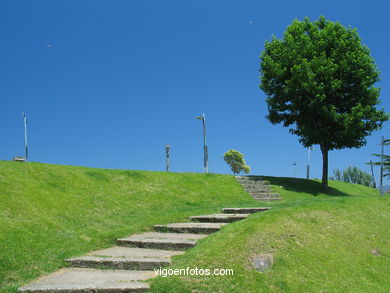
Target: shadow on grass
{"points": [[303, 185], [97, 175], [133, 174]]}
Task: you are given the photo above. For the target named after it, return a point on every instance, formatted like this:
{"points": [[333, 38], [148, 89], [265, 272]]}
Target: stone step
{"points": [[126, 258], [254, 192], [121, 251], [275, 195], [255, 181], [169, 241], [264, 194], [249, 178], [220, 218], [251, 189], [77, 280], [204, 228], [250, 210], [267, 199], [119, 263], [252, 183]]}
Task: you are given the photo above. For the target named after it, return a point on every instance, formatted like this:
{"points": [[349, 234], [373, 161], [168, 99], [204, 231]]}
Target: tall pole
{"points": [[308, 164], [206, 153], [25, 135], [295, 169], [205, 150], [167, 156], [382, 154]]}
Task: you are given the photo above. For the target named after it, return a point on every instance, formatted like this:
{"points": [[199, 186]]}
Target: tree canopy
{"points": [[236, 161], [319, 81]]}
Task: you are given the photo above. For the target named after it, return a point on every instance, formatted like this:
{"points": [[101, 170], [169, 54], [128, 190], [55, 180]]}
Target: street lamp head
{"points": [[199, 117]]}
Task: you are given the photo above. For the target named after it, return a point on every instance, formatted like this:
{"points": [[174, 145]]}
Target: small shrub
{"points": [[236, 162]]}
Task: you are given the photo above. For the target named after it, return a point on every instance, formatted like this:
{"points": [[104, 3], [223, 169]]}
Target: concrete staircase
{"points": [[124, 267], [258, 188]]}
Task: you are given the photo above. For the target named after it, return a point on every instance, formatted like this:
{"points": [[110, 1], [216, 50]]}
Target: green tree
{"points": [[338, 175], [236, 161], [353, 175], [319, 80]]}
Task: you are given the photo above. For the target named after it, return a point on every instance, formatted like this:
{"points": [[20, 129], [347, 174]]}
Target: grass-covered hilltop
{"points": [[334, 242]]}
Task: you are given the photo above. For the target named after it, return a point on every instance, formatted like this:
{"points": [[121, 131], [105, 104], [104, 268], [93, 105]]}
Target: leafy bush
{"points": [[236, 161]]}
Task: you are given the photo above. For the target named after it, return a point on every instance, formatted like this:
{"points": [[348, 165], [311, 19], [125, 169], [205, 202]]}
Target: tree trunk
{"points": [[324, 151]]}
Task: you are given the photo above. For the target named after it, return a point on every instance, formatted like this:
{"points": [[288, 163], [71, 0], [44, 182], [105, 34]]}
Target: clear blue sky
{"points": [[108, 83]]}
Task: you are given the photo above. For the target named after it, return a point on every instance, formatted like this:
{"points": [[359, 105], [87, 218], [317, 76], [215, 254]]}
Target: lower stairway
{"points": [[125, 267]]}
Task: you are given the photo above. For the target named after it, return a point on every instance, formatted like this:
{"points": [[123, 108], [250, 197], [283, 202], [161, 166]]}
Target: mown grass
{"points": [[51, 212], [320, 242]]}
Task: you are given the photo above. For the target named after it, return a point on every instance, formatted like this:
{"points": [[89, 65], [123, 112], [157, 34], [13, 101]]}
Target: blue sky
{"points": [[108, 83]]}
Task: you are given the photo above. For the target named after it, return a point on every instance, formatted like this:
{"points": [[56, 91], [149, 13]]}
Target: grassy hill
{"points": [[319, 241]]}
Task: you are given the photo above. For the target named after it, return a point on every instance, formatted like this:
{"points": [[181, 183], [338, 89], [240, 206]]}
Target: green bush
{"points": [[236, 161]]}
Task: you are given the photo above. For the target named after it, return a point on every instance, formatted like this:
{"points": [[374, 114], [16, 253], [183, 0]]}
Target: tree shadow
{"points": [[303, 185]]}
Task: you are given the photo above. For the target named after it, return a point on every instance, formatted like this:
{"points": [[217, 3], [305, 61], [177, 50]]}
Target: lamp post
{"points": [[19, 158], [167, 147], [205, 150], [295, 169], [25, 135]]}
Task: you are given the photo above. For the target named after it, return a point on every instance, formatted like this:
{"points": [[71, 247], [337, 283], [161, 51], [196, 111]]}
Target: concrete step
{"points": [[169, 241], [263, 190], [77, 280], [250, 210], [267, 199], [121, 251], [249, 178], [264, 194], [250, 181], [254, 183], [252, 189], [220, 218], [204, 228], [119, 263], [124, 258]]}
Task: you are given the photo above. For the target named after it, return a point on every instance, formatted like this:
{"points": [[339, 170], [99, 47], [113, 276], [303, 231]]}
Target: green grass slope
{"points": [[335, 242], [320, 242], [51, 212]]}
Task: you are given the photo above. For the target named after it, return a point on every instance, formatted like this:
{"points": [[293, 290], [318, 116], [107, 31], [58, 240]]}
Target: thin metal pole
{"points": [[295, 169], [308, 164], [167, 156], [205, 151], [25, 135], [382, 154]]}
